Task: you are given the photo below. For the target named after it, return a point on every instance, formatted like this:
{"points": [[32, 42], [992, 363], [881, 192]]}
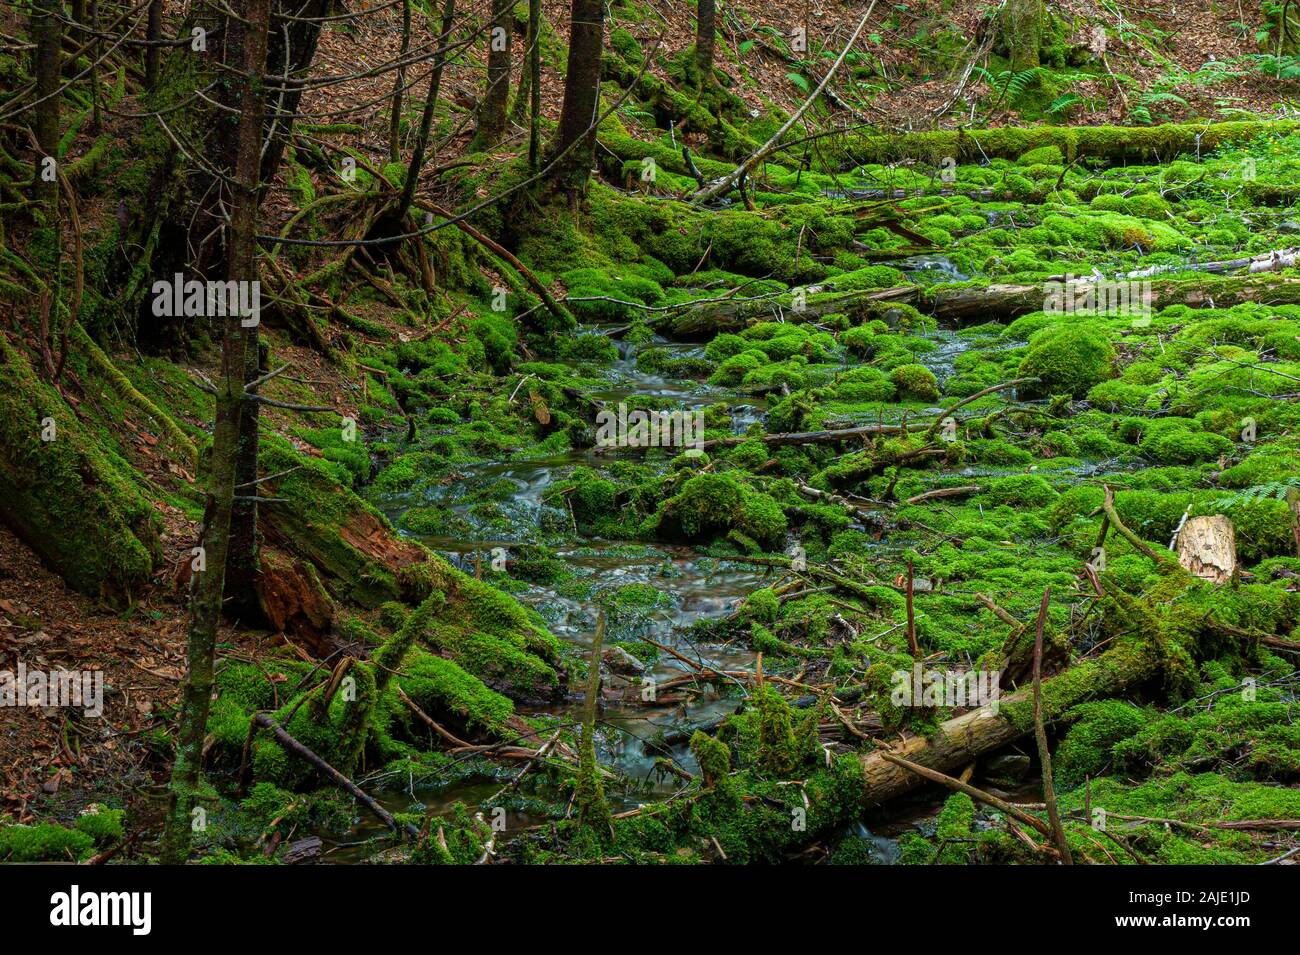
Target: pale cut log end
{"points": [[1207, 547]]}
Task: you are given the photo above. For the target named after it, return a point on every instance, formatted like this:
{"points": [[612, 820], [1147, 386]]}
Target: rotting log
{"points": [[965, 738]]}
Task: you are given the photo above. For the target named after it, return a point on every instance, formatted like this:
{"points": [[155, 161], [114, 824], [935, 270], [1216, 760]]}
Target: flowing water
{"points": [[634, 738]]}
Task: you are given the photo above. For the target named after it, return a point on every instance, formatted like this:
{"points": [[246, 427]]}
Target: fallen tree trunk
{"points": [[966, 304], [68, 495], [971, 735], [804, 437], [1113, 143]]}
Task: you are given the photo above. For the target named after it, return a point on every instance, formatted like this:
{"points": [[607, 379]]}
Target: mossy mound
{"points": [[1066, 360]]}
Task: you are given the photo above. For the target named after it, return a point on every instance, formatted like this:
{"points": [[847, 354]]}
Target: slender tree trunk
{"points": [[242, 564], [523, 91], [293, 36], [426, 119], [535, 90], [581, 98], [706, 33], [496, 99], [95, 121], [290, 49], [47, 31], [399, 90], [153, 54], [247, 46]]}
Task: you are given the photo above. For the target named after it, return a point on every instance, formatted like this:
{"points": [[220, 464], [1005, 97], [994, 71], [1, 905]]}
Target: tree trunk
{"points": [[399, 89], [247, 42], [535, 90], [294, 34], [577, 133], [706, 32], [961, 740], [47, 31], [496, 99], [153, 53], [987, 303], [1022, 32], [290, 50], [426, 119]]}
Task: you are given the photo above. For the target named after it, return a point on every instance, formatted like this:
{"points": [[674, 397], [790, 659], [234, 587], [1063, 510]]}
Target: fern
{"points": [[1011, 85], [1273, 490], [1062, 105]]}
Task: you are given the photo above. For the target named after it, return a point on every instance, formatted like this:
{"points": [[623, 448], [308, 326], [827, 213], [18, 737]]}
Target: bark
{"points": [[496, 99], [1207, 546], [577, 132], [426, 118], [153, 53], [399, 89], [535, 88], [47, 32], [247, 44], [706, 33], [291, 49]]}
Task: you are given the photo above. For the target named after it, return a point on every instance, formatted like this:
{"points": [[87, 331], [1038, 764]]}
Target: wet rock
{"points": [[618, 660]]}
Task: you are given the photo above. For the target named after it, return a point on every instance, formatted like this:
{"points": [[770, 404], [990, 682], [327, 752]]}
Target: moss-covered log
{"points": [[972, 303], [965, 738], [350, 542], [68, 497], [1112, 143]]}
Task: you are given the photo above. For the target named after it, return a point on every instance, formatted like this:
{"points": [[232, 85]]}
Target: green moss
{"points": [[1087, 747], [709, 505], [441, 686], [1068, 360], [915, 382], [71, 498], [1028, 490], [713, 757], [776, 740]]}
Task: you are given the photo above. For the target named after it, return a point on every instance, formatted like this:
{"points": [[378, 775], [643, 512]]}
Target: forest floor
{"points": [[671, 548]]}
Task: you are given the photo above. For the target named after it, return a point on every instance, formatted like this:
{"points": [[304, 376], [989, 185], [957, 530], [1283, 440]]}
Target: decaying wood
{"points": [[1207, 546], [971, 735], [944, 492], [304, 851], [805, 437]]}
